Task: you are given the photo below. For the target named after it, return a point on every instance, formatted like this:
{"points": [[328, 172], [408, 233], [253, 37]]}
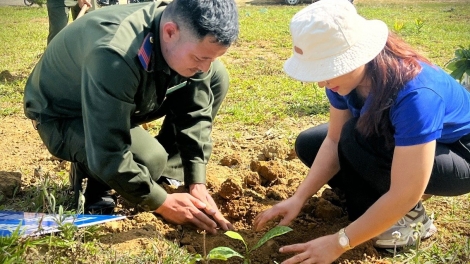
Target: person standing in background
{"points": [[58, 12]]}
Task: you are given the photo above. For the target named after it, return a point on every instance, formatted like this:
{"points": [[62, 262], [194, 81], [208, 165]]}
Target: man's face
{"points": [[186, 55]]}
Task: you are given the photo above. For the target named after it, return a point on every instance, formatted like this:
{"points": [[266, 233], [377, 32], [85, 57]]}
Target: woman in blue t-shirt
{"points": [[399, 130]]}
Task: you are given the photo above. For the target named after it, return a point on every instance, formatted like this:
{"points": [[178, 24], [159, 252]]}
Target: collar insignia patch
{"points": [[145, 52]]}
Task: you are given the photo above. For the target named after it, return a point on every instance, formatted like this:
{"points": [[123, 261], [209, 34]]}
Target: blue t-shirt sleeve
{"points": [[336, 100], [417, 117]]}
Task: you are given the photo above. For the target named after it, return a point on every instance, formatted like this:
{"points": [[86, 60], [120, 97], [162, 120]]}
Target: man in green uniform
{"points": [[122, 66]]}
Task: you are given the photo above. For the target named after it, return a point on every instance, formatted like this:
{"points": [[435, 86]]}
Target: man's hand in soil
{"points": [[287, 209], [183, 208], [199, 191]]}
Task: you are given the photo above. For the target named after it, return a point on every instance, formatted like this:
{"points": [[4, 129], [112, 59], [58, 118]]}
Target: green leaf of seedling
{"points": [[223, 253], [195, 259], [235, 235], [276, 231]]}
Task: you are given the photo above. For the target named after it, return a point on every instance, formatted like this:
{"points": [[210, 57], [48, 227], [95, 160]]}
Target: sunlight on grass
{"points": [[23, 34], [445, 25]]}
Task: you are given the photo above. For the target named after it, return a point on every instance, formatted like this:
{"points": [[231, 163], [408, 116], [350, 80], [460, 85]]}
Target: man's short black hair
{"points": [[218, 18]]}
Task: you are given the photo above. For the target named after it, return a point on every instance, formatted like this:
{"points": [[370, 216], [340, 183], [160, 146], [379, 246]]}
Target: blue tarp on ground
{"points": [[38, 223]]}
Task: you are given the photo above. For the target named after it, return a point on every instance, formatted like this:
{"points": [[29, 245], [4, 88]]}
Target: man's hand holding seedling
{"points": [[196, 207], [199, 191]]}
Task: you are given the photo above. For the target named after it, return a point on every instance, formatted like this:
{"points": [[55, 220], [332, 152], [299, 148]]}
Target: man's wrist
{"points": [[196, 185]]}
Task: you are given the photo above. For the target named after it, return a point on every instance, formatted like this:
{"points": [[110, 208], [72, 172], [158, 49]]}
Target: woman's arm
{"points": [[326, 163]]}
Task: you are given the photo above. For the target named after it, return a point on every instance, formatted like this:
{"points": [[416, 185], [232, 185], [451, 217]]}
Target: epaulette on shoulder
{"points": [[145, 52]]}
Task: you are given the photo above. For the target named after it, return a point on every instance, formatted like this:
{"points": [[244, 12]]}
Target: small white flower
{"points": [[396, 235], [419, 225]]}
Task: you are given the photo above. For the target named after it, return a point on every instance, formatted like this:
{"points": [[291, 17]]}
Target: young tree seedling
{"points": [[224, 253]]}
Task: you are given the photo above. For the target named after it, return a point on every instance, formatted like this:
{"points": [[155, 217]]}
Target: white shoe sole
{"points": [[408, 240]]}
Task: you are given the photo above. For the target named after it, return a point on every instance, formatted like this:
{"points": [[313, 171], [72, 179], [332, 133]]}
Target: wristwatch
{"points": [[343, 239]]}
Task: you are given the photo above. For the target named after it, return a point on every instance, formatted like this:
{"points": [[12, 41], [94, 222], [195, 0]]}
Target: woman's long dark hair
{"points": [[389, 71]]}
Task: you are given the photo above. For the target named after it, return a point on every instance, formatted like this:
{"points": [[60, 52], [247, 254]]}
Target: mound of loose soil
{"points": [[245, 176]]}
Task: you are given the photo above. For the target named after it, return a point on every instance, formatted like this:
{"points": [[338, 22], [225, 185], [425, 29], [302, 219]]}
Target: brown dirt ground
{"points": [[245, 176]]}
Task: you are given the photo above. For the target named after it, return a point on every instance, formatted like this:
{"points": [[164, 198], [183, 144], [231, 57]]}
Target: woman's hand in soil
{"points": [[323, 250], [199, 191], [183, 208], [287, 209]]}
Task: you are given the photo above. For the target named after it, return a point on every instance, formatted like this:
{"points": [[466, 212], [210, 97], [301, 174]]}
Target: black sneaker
{"points": [[104, 206], [169, 181], [97, 197]]}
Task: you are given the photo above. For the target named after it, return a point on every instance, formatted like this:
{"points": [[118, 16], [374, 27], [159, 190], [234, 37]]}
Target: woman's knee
{"points": [[308, 143], [348, 131], [451, 172]]}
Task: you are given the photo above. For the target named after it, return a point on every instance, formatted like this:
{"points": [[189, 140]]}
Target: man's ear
{"points": [[170, 32]]}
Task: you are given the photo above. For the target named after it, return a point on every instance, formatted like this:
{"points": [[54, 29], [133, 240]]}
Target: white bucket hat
{"points": [[330, 39]]}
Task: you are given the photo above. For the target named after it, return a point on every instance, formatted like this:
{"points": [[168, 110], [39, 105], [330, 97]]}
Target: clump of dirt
{"points": [[11, 182], [231, 189], [275, 150], [6, 76], [230, 161]]}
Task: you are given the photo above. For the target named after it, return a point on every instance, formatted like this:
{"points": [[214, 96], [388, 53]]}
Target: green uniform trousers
{"points": [[58, 14], [159, 154]]}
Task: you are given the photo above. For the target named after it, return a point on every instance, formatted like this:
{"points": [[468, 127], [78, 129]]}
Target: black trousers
{"points": [[365, 163]]}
